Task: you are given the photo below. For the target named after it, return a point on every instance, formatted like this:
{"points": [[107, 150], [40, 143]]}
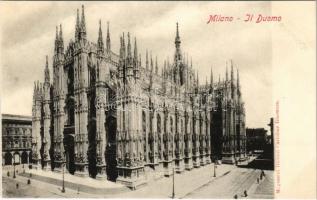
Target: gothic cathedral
{"points": [[109, 116]]}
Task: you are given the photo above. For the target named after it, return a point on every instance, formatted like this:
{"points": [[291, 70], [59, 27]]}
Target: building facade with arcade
{"points": [[16, 139]]}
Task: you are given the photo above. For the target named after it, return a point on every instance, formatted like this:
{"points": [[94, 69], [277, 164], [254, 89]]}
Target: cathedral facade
{"points": [[111, 116]]}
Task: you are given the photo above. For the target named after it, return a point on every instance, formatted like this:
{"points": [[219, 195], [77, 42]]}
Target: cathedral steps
{"points": [[84, 185]]}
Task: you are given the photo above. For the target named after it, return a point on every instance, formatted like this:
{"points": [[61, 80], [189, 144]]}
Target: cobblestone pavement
{"points": [[35, 189], [197, 183], [235, 183], [266, 187], [184, 183]]}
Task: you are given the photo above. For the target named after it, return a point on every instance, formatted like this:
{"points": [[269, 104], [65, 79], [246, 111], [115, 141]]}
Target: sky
{"points": [[28, 33]]}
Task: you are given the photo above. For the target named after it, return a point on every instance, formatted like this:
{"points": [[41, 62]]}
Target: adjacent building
{"points": [[16, 139], [111, 116], [257, 139]]}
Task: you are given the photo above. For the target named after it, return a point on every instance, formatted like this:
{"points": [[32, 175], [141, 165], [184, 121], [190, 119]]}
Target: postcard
{"points": [[158, 99]]}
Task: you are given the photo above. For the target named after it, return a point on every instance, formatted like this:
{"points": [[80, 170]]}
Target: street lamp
{"points": [[14, 170], [173, 192], [63, 187], [14, 163], [215, 168]]}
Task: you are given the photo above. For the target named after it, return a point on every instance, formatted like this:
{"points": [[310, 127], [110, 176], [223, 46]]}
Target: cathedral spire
{"points": [[197, 79], [238, 82], [34, 91], [61, 41], [108, 44], [156, 66], [191, 62], [129, 48], [232, 72], [41, 89], [77, 27], [178, 54], [56, 41], [37, 86], [177, 32], [100, 39], [140, 61], [151, 63], [147, 60], [123, 46], [83, 24], [135, 57], [164, 69], [121, 53], [226, 71], [211, 78], [60, 32], [46, 72], [187, 59]]}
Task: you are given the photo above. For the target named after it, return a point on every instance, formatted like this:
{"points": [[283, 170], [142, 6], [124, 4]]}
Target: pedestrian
{"points": [[257, 180], [235, 196], [29, 181], [261, 177], [17, 185], [245, 193], [8, 174]]}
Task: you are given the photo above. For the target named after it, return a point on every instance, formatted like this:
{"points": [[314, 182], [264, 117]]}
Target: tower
{"points": [[59, 102], [130, 153], [36, 127], [81, 142]]}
